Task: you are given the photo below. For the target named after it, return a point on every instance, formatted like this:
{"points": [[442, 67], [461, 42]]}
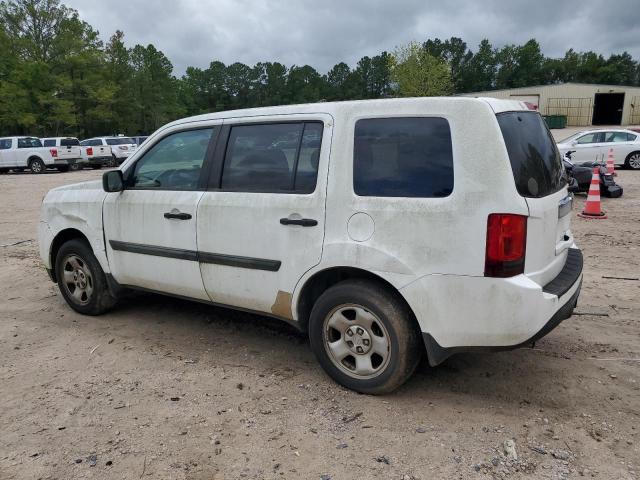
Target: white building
{"points": [[582, 103]]}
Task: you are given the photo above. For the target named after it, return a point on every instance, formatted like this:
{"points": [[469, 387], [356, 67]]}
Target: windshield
{"points": [[572, 137], [535, 159], [120, 141]]}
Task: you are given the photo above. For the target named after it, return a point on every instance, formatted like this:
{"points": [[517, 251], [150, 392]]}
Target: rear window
{"points": [[120, 141], [69, 142], [535, 160], [403, 157]]}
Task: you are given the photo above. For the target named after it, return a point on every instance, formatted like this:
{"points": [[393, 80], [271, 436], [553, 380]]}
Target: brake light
{"points": [[506, 245], [89, 151], [54, 152]]}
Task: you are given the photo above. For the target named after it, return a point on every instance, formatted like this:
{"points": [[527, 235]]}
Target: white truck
{"points": [[94, 154], [68, 148], [121, 148], [21, 153]]}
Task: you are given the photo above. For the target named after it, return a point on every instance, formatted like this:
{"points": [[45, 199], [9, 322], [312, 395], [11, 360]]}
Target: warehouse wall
{"points": [[574, 100]]}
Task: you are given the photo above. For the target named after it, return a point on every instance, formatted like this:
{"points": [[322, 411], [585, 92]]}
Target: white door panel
{"points": [[251, 256], [143, 238]]}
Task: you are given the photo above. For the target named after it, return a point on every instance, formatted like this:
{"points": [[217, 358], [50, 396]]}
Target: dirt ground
{"points": [[166, 389]]}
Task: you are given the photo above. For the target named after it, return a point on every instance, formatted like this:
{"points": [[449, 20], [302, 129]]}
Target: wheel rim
{"points": [[36, 167], [634, 161], [356, 341], [77, 279]]}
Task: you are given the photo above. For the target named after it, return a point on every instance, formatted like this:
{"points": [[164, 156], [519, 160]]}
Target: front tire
{"points": [[633, 161], [37, 166], [81, 279], [364, 337]]}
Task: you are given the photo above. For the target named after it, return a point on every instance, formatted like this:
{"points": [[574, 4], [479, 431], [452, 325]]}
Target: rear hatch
{"points": [[539, 177]]}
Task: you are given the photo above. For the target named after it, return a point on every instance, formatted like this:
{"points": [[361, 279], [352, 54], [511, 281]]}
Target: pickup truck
{"points": [[21, 153], [68, 149], [121, 148], [95, 154]]}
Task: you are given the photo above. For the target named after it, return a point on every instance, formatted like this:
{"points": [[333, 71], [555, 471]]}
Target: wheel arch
{"points": [[320, 281], [33, 158], [60, 239]]}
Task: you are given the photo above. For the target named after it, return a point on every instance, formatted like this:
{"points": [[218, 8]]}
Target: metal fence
{"points": [[579, 111]]}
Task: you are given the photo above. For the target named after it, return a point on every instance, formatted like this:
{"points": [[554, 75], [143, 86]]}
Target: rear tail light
{"points": [[506, 245], [54, 152], [89, 151]]}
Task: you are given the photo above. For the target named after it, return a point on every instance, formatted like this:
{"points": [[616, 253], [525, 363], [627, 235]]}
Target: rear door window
{"points": [[5, 144], [49, 142], [29, 142], [535, 159], [403, 157], [273, 157]]}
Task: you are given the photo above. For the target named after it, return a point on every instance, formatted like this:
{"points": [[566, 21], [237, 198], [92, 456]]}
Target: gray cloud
{"points": [[322, 33]]}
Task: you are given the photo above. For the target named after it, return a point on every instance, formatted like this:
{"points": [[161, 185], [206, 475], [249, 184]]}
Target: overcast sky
{"points": [[322, 33]]}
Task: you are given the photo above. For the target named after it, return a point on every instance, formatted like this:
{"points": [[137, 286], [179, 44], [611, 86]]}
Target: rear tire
{"points": [[64, 168], [74, 166], [633, 161], [81, 279], [37, 166], [365, 337], [113, 162]]}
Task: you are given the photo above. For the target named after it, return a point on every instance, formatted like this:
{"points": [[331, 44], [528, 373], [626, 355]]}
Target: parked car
{"points": [[95, 154], [594, 145], [580, 175], [140, 139], [68, 149], [408, 225], [121, 148], [21, 153]]}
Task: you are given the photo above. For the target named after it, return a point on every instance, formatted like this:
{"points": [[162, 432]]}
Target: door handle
{"points": [[177, 216], [303, 222]]}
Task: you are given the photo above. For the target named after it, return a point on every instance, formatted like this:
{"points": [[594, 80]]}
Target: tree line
{"points": [[57, 77]]}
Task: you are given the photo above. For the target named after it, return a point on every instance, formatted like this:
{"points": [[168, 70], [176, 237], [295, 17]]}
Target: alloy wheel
{"points": [[77, 279], [634, 161], [356, 341]]}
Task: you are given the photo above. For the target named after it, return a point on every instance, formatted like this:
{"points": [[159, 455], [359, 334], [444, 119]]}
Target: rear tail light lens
{"points": [[506, 245], [54, 152], [89, 151]]}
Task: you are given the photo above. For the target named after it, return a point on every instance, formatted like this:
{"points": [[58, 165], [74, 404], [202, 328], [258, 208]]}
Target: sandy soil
{"points": [[163, 388]]}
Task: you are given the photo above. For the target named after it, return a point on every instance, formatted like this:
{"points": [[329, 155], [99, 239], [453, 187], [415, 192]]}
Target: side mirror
{"points": [[112, 181]]}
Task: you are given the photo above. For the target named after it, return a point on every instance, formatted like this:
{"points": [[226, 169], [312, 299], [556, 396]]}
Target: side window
{"points": [[631, 137], [403, 157], [174, 163], [275, 157], [49, 143], [5, 144], [588, 138], [29, 142], [616, 137]]}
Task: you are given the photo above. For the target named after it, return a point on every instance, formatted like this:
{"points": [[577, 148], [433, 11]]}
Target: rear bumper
{"points": [[96, 161], [461, 314]]}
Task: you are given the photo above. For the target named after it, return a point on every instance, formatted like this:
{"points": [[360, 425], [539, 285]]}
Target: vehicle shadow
{"points": [[509, 378]]}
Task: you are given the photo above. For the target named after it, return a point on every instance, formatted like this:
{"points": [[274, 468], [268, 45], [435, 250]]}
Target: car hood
{"points": [[92, 185]]}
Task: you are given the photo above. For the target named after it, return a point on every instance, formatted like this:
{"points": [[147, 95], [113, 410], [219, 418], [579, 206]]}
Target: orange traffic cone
{"points": [[592, 206], [611, 166]]}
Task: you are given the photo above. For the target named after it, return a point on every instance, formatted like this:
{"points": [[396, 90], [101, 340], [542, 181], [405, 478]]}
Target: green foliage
{"points": [[57, 77], [418, 73]]}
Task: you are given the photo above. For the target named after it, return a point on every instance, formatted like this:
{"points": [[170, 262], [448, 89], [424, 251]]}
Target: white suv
{"points": [[383, 228]]}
